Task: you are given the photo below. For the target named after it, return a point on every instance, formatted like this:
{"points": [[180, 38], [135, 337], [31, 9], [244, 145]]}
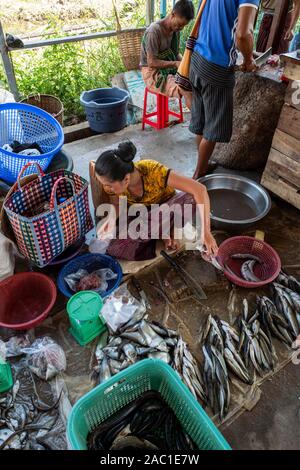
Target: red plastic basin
{"points": [[26, 300]]}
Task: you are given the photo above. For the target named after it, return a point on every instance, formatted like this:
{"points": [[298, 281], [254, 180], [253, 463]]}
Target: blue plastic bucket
{"points": [[106, 109]]}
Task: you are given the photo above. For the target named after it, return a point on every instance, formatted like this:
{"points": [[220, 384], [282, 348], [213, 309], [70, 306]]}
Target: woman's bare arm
{"points": [[200, 194]]}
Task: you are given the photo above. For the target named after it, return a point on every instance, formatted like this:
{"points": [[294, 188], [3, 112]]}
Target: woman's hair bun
{"points": [[126, 151]]}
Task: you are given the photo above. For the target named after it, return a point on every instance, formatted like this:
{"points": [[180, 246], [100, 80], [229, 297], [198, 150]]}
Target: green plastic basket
{"points": [[6, 379], [117, 392], [84, 314]]}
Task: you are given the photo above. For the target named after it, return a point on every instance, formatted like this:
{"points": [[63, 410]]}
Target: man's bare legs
{"points": [[205, 151]]}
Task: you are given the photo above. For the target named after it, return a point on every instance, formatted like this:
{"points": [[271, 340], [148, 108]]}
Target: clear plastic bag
{"points": [[74, 280], [45, 358], [98, 246], [120, 308]]}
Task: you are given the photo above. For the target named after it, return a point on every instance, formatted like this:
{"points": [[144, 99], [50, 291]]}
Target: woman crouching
{"points": [[164, 200]]}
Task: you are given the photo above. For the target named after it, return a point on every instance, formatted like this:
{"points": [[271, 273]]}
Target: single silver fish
{"points": [[246, 256], [247, 271]]}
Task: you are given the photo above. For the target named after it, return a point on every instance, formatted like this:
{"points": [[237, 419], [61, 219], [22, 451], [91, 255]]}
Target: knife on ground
{"points": [[186, 277], [141, 292]]}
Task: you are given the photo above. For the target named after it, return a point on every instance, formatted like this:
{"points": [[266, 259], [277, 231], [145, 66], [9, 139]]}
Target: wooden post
{"points": [[163, 8], [150, 10], [8, 66], [278, 23]]}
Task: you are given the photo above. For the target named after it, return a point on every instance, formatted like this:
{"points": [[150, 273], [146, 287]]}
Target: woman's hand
{"points": [[211, 247], [171, 244]]}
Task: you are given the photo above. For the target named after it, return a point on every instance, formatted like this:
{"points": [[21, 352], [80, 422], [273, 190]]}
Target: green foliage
{"points": [[66, 70]]}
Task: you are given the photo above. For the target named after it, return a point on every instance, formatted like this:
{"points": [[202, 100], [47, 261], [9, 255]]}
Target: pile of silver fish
{"points": [[247, 268], [255, 345], [220, 351], [144, 339], [26, 421], [146, 423]]}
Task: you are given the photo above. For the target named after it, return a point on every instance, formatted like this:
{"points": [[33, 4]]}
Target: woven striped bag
{"points": [[182, 77], [49, 214]]}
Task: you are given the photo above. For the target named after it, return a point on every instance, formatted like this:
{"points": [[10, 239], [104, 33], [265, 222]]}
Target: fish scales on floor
{"points": [[142, 339], [147, 423], [255, 345], [279, 315]]}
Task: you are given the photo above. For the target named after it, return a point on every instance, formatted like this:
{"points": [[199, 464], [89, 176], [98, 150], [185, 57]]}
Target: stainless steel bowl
{"points": [[236, 202]]}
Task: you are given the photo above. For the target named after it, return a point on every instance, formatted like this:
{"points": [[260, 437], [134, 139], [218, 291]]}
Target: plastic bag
{"points": [[7, 256], [76, 280], [99, 246], [120, 308], [16, 344], [45, 358]]}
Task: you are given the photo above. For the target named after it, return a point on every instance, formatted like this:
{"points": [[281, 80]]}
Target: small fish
{"points": [[14, 443], [163, 356], [247, 271], [112, 353], [246, 256]]}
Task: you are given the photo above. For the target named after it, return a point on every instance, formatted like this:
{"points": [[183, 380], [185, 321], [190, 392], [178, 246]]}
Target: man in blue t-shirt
{"points": [[226, 27]]}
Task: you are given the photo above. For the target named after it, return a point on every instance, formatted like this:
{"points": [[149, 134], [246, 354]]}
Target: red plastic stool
{"points": [[163, 112]]}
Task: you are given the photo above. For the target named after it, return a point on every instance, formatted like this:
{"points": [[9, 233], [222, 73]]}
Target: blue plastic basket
{"points": [[90, 262], [114, 394], [27, 124]]}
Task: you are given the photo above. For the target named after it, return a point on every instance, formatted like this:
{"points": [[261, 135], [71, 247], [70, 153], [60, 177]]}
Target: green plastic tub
{"points": [[117, 392]]}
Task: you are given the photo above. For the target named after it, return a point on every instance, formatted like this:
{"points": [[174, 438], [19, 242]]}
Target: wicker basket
{"points": [[48, 103], [129, 44]]}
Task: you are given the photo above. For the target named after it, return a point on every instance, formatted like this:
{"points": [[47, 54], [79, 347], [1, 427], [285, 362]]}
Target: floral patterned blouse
{"points": [[155, 178]]}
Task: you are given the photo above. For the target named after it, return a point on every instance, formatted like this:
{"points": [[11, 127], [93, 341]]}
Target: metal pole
{"points": [[8, 66], [150, 9]]}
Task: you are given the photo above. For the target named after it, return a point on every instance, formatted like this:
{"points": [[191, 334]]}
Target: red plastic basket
{"points": [[268, 270], [26, 300]]}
